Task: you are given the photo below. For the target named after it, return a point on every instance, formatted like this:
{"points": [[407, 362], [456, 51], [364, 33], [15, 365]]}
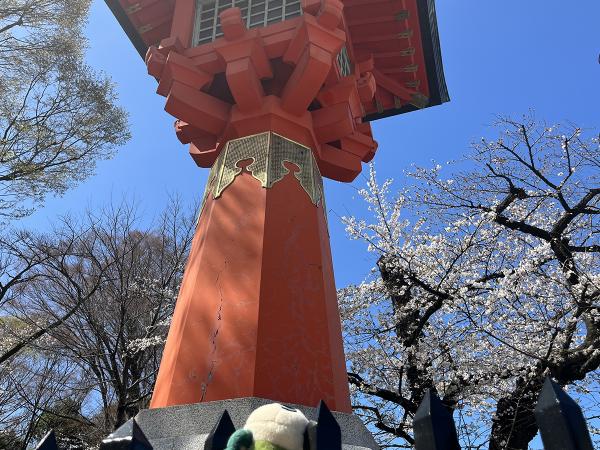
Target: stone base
{"points": [[187, 427]]}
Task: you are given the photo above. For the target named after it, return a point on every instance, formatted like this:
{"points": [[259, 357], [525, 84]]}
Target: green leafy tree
{"points": [[57, 116]]}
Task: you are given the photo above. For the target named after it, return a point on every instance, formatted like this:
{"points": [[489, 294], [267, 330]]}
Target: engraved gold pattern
{"points": [[268, 153]]}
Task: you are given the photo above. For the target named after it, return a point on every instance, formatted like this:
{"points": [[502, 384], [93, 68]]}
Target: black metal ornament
{"points": [[129, 437], [328, 435], [220, 434], [434, 426], [560, 420], [48, 442]]}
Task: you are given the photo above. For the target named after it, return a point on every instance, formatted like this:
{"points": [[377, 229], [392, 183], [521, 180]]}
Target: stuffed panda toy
{"points": [[271, 427]]}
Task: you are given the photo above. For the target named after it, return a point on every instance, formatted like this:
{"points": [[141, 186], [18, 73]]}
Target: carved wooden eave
{"points": [[397, 38], [146, 22], [401, 37]]}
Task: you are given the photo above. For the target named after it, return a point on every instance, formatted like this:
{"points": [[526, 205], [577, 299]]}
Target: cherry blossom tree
{"points": [[485, 282]]}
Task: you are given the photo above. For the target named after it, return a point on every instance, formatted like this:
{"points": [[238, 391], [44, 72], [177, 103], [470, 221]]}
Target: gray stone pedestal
{"points": [[187, 427]]}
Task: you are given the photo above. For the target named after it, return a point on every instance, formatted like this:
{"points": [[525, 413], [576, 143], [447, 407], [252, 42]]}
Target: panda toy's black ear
{"points": [[325, 433]]}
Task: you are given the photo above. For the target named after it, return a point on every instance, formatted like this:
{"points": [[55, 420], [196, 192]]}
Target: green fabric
{"points": [[241, 439], [263, 445]]}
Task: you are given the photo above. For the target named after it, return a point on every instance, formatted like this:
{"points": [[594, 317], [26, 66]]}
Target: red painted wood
{"points": [[257, 312], [376, 29], [182, 25]]}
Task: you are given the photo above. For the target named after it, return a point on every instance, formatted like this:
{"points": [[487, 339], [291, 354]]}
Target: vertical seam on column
{"points": [[268, 163], [221, 170]]}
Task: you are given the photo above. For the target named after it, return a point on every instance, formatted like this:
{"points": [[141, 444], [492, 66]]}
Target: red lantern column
{"points": [[267, 109], [257, 313]]}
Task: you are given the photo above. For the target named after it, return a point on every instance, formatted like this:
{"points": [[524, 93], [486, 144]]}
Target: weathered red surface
{"points": [[282, 78], [388, 34], [385, 34], [257, 312], [146, 22]]}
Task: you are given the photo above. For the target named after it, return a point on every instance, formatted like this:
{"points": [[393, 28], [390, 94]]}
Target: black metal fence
{"points": [[560, 420]]}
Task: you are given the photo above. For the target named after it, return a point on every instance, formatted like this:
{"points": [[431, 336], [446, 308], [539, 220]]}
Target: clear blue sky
{"points": [[500, 57]]}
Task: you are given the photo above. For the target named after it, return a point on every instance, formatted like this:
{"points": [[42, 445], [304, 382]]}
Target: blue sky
{"points": [[501, 57]]}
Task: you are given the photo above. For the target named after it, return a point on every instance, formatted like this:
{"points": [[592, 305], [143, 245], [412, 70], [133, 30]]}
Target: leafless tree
{"points": [[92, 316]]}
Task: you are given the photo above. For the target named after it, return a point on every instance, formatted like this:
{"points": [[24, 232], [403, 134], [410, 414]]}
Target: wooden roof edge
{"points": [[438, 90], [130, 30], [433, 52], [430, 40]]}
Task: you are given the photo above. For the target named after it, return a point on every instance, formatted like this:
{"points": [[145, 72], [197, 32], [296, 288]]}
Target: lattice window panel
{"points": [[256, 13]]}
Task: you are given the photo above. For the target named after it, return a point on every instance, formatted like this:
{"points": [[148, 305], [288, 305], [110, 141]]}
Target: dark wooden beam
{"points": [[128, 27]]}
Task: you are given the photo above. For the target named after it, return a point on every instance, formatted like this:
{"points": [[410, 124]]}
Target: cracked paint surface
{"points": [[214, 338], [257, 313]]}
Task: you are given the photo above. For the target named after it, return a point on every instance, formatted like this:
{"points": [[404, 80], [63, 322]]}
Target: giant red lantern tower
{"points": [[273, 95]]}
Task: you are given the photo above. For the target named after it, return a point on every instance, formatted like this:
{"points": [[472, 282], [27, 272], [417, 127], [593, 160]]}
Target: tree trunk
{"points": [[514, 425]]}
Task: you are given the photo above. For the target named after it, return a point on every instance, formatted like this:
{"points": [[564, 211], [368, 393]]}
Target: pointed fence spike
{"points": [[434, 426], [220, 434], [48, 442], [128, 437], [560, 420], [328, 435]]}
